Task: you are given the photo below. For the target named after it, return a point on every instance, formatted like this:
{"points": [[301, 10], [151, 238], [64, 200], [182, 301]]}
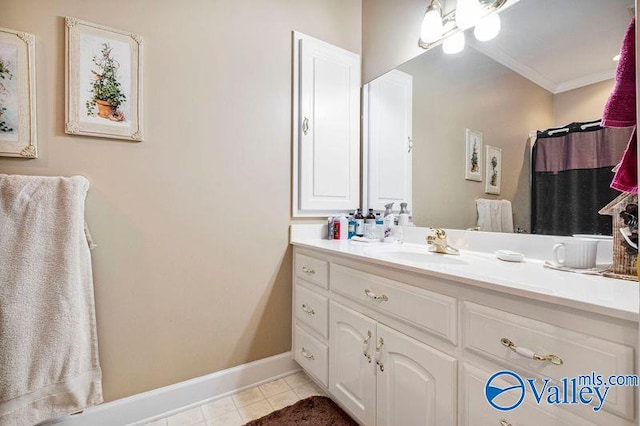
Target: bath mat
{"points": [[313, 411]]}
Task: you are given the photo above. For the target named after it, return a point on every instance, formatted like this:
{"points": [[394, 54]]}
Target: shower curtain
{"points": [[571, 173]]}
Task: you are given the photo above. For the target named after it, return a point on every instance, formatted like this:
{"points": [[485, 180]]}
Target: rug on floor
{"points": [[313, 411]]}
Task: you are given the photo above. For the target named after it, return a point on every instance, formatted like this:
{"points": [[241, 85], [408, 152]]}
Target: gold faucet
{"points": [[439, 241]]}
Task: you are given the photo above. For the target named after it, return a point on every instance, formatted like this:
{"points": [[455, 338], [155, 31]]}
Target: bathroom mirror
{"points": [[551, 65]]}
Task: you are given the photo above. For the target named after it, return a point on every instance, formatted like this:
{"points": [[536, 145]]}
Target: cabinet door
{"points": [[388, 140], [351, 366], [416, 384], [328, 128]]}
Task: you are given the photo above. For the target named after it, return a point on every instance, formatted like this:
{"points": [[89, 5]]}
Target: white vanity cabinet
{"points": [[326, 129], [396, 347], [385, 377]]}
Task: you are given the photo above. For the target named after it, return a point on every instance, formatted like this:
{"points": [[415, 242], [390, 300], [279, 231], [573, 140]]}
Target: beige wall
{"points": [[582, 104], [470, 90], [192, 273]]}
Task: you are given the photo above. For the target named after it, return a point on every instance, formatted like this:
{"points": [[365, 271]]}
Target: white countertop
{"points": [[530, 279]]}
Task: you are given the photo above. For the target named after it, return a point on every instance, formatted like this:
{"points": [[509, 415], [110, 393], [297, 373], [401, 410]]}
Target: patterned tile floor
{"points": [[242, 407]]}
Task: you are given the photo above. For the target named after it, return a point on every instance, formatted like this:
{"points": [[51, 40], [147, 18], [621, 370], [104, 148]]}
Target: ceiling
{"points": [[560, 44]]}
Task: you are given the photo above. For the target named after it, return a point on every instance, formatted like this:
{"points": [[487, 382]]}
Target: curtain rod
{"points": [[569, 128]]}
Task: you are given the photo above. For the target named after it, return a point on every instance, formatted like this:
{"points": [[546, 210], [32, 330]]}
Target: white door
{"points": [[328, 128], [416, 384], [351, 362], [388, 140]]}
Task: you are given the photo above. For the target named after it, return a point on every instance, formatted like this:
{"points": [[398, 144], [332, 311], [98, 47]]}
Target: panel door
{"points": [[389, 140], [328, 128], [416, 384], [351, 366]]}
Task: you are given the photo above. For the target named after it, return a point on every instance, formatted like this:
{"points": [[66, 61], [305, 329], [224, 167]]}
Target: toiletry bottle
{"points": [[331, 230], [344, 227], [403, 217], [388, 209], [371, 218], [336, 227], [352, 225], [359, 223], [378, 219]]}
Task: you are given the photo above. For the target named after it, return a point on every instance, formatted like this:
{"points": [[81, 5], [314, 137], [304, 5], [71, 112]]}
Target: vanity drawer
{"points": [[581, 354], [314, 270], [312, 355], [426, 309], [476, 411], [312, 309]]}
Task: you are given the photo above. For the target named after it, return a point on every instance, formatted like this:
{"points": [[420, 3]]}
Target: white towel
{"points": [[48, 344], [494, 215]]}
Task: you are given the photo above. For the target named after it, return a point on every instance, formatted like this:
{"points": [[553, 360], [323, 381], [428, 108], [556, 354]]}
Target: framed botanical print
{"points": [[103, 81], [473, 152], [17, 94], [493, 168]]}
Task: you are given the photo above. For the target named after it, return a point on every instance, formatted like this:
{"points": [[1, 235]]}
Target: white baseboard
{"points": [[174, 398]]}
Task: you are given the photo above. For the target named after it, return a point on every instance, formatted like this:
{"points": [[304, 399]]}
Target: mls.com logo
{"points": [[502, 397]]}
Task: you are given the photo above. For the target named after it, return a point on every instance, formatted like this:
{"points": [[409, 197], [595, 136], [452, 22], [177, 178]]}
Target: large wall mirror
{"points": [[551, 64]]}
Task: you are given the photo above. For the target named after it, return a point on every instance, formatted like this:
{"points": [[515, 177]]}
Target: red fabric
{"points": [[620, 110], [626, 178]]}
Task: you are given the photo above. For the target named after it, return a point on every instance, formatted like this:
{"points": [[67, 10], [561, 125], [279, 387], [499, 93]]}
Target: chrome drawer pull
{"points": [[503, 422], [372, 295], [307, 355], [307, 310], [528, 353], [379, 354], [365, 346], [308, 270], [305, 126]]}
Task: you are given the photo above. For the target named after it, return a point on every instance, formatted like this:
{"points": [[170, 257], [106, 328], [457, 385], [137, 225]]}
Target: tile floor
{"points": [[242, 407]]}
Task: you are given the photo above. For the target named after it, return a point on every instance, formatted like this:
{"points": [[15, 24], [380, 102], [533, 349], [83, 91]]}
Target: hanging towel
{"points": [[620, 111], [48, 344], [494, 215]]}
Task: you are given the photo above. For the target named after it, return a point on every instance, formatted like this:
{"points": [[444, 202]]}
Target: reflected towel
{"points": [[626, 177], [494, 215], [620, 110], [48, 342]]}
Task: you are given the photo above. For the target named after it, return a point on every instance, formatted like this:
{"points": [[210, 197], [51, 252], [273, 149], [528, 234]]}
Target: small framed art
{"points": [[473, 151], [17, 94], [493, 169], [103, 81]]}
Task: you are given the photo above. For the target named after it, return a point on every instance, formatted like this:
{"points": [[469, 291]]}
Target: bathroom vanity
{"points": [[401, 336]]}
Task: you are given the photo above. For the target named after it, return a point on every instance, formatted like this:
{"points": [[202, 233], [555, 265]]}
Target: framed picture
{"points": [[473, 151], [493, 169], [103, 81], [17, 94]]}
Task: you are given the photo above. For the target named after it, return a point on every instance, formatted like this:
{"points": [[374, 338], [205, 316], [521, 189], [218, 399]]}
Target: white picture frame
{"points": [[493, 170], [473, 155], [103, 81], [17, 94]]}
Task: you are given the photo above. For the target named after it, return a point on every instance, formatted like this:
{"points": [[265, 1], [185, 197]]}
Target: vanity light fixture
{"points": [[487, 28], [432, 26], [468, 13], [437, 28], [454, 44]]}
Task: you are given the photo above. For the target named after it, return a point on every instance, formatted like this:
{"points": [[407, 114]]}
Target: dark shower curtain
{"points": [[571, 174]]}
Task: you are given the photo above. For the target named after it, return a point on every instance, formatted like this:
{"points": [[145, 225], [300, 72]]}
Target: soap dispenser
{"points": [[403, 217]]}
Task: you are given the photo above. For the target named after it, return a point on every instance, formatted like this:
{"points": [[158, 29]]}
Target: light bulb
{"points": [[432, 27], [487, 28], [454, 44], [468, 12]]}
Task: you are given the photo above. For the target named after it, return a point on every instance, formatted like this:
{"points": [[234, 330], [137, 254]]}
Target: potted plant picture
{"points": [[494, 175], [5, 74], [106, 89]]}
